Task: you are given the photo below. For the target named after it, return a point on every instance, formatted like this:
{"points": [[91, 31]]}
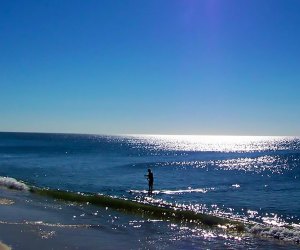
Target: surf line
{"points": [[162, 213]]}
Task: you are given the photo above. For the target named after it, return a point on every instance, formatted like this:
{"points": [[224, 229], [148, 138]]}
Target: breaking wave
{"points": [[150, 210], [180, 191], [286, 233], [12, 183], [281, 233]]}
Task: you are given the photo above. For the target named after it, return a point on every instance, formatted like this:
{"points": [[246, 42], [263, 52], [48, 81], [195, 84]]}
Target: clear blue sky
{"points": [[155, 67]]}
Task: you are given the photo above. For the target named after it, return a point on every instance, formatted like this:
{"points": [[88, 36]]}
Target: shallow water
{"points": [[51, 224], [253, 179]]}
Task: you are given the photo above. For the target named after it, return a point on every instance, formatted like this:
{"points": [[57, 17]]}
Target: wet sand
{"points": [[30, 222], [22, 226]]}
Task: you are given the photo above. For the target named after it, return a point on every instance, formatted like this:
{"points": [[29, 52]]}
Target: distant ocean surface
{"points": [[255, 180]]}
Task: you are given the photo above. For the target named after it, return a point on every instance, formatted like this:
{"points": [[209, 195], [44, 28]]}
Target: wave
{"points": [[180, 191], [41, 223], [12, 183], [172, 213], [285, 233], [157, 212], [188, 190], [288, 234]]}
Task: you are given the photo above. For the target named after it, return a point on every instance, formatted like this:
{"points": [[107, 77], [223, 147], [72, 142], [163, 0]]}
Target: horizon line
{"points": [[145, 134]]}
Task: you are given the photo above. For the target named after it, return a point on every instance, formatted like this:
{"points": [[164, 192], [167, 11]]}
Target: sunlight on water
{"points": [[272, 164], [254, 180], [212, 143]]}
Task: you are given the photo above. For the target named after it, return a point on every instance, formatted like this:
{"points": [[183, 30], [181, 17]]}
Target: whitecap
{"points": [[281, 233], [189, 190], [179, 191], [12, 183]]}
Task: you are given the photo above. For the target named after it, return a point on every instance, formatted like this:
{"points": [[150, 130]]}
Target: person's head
{"points": [[149, 170]]}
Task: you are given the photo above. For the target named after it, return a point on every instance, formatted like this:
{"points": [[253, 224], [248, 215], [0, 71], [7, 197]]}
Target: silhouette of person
{"points": [[150, 181]]}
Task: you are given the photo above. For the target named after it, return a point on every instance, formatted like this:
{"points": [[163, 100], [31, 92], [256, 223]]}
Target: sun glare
{"points": [[213, 143]]}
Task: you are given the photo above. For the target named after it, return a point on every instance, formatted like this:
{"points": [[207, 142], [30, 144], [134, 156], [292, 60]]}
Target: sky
{"points": [[206, 67]]}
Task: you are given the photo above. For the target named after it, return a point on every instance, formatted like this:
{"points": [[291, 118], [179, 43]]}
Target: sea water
{"points": [[254, 180]]}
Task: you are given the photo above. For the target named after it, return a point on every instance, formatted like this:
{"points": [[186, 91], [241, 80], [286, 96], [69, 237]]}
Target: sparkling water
{"points": [[251, 179]]}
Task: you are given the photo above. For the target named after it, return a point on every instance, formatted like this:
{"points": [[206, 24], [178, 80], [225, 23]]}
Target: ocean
{"points": [[252, 181]]}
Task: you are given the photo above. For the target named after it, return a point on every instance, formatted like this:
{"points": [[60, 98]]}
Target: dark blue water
{"points": [[250, 178]]}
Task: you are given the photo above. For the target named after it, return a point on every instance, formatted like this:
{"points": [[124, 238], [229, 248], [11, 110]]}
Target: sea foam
{"points": [[280, 233], [12, 183], [179, 191]]}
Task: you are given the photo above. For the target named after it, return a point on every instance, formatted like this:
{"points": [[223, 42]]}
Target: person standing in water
{"points": [[150, 181]]}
